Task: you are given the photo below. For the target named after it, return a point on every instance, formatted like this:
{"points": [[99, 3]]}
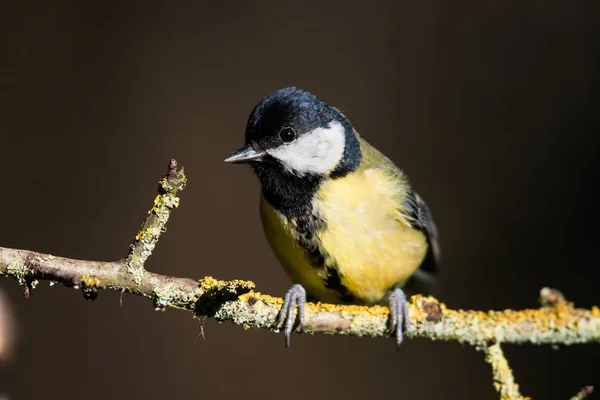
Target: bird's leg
{"points": [[296, 295], [399, 319]]}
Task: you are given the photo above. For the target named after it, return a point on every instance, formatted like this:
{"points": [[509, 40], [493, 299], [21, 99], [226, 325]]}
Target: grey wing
{"points": [[419, 216]]}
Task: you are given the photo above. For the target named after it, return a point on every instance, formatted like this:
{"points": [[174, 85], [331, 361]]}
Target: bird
{"points": [[341, 218]]}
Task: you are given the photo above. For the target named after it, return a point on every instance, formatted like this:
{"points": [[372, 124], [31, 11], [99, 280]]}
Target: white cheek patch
{"points": [[317, 152]]}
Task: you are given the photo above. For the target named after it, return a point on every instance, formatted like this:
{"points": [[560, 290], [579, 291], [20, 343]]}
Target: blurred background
{"points": [[492, 110]]}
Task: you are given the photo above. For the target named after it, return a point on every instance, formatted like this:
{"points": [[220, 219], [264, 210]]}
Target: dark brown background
{"points": [[492, 111]]}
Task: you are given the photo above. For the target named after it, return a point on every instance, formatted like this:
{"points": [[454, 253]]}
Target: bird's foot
{"points": [[399, 319], [296, 295]]}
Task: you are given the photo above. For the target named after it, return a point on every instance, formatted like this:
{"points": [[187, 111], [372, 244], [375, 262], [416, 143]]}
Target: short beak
{"points": [[245, 155]]}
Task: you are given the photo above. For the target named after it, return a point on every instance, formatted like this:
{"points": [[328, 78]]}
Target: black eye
{"points": [[287, 134]]}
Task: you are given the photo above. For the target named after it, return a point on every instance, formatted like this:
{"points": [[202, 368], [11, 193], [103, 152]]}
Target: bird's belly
{"points": [[368, 252], [370, 263]]}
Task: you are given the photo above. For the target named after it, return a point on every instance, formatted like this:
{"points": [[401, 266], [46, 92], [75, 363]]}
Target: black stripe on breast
{"points": [[293, 197], [334, 282], [316, 257], [307, 227]]}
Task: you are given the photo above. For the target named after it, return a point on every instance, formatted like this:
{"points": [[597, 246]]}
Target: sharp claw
{"points": [[399, 336], [406, 316], [283, 311], [289, 322], [296, 295], [393, 315], [399, 320], [301, 306]]}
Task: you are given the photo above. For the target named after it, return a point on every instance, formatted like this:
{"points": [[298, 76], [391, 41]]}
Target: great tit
{"points": [[340, 217]]}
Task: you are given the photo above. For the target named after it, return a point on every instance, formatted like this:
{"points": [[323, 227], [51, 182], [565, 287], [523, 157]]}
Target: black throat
{"points": [[289, 194]]}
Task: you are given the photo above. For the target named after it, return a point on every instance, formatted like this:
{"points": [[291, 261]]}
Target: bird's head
{"points": [[292, 132]]}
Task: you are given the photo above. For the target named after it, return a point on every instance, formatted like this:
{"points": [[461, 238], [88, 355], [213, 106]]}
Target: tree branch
{"points": [[504, 381], [156, 221], [583, 393], [556, 322]]}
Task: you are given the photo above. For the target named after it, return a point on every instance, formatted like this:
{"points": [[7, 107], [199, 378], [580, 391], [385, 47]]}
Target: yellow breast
{"points": [[368, 241], [374, 247]]}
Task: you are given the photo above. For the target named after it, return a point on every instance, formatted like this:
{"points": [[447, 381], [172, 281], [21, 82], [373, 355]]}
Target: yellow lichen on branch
{"points": [[561, 324], [583, 393], [504, 381], [156, 221]]}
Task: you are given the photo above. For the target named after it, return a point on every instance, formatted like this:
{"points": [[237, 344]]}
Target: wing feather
{"points": [[414, 211], [417, 212]]}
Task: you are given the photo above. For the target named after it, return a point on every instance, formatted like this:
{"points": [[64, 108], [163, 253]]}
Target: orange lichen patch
{"points": [[210, 284], [146, 234], [353, 310], [163, 202], [90, 282], [365, 312], [158, 202], [90, 286], [254, 297]]}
